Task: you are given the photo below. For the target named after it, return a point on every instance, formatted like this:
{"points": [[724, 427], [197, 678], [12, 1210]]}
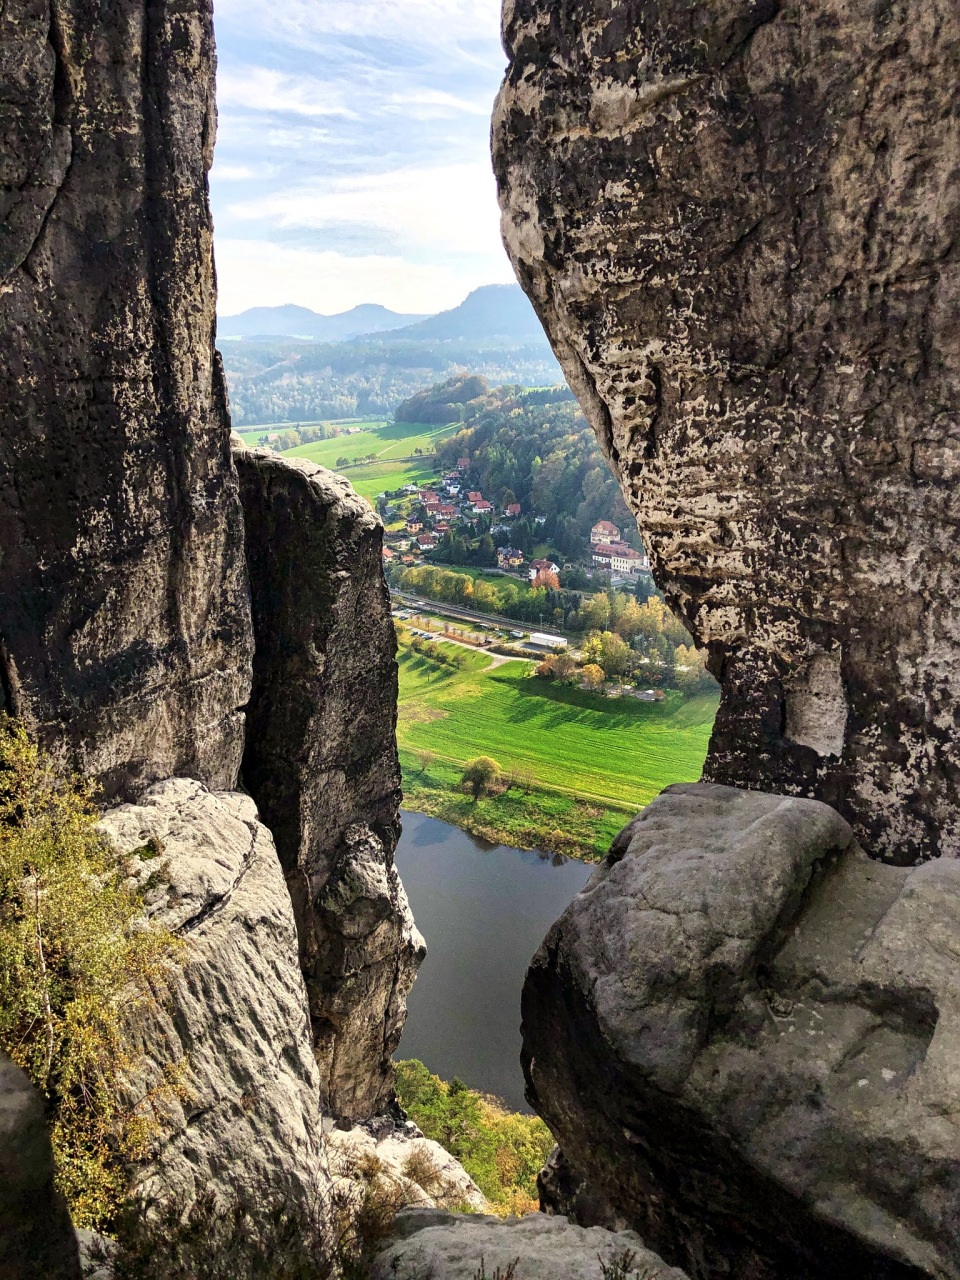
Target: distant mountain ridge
{"points": [[493, 311], [291, 321]]}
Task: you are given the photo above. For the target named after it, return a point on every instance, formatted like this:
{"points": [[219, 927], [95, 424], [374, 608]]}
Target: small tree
{"points": [[481, 774], [592, 676], [564, 667], [426, 759]]}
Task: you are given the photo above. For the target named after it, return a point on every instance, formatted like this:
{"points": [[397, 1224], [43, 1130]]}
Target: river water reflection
{"points": [[483, 911]]}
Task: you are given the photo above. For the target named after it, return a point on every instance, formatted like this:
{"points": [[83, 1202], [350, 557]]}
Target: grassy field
{"points": [[388, 440], [596, 761]]}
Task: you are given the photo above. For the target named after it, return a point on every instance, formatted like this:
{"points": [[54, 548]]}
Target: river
{"points": [[483, 910]]}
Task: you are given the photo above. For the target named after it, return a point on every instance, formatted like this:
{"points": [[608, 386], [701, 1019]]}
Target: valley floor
{"points": [[579, 765]]}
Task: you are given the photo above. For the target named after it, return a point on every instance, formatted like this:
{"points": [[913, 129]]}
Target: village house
{"points": [[432, 508], [475, 497], [406, 559], [513, 509], [604, 533], [427, 495], [509, 557], [388, 554], [426, 541], [414, 526], [541, 566], [602, 556], [447, 511], [462, 464], [441, 527], [483, 508]]}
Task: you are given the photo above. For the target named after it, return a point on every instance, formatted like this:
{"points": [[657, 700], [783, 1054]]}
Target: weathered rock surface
{"points": [[564, 1190], [408, 1168], [36, 1237], [745, 1034], [739, 224], [321, 762], [446, 1246], [124, 617], [237, 1019]]}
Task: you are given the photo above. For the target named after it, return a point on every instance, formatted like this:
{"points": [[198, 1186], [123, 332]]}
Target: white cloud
{"points": [[443, 210], [260, 89], [432, 104], [235, 172], [260, 273], [413, 21]]}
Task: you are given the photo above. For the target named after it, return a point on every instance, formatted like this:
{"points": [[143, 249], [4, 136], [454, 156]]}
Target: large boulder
{"points": [[235, 1027], [447, 1246], [124, 617], [738, 223], [37, 1241], [321, 762], [398, 1165], [745, 1036]]}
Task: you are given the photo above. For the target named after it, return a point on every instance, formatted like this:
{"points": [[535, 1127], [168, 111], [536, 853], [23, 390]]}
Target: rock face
{"points": [[124, 618], [36, 1239], [447, 1247], [237, 1019], [405, 1166], [321, 762], [745, 1035], [739, 225]]}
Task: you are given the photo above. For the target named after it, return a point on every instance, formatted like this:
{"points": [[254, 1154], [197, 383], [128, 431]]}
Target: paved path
{"points": [[496, 659]]}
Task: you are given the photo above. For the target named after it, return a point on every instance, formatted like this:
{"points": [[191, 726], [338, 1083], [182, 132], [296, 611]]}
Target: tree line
{"points": [[634, 636]]}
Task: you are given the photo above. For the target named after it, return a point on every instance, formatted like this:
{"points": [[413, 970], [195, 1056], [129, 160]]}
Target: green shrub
{"points": [[502, 1151], [73, 965]]}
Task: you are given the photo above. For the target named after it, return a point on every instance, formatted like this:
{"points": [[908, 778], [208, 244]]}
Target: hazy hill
{"points": [[300, 322], [493, 312]]}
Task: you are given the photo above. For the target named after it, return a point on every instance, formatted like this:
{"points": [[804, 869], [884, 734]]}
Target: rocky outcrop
{"points": [[235, 1026], [36, 1238], [444, 1246], [124, 618], [739, 225], [400, 1166], [321, 762], [745, 1035]]}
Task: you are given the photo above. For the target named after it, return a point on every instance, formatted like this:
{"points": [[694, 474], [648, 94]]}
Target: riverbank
{"points": [[580, 765], [527, 817]]}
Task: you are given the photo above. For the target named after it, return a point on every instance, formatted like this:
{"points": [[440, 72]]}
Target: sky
{"points": [[352, 161]]}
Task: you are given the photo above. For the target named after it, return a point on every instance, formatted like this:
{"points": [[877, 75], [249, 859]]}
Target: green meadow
{"points": [[585, 764], [389, 441]]}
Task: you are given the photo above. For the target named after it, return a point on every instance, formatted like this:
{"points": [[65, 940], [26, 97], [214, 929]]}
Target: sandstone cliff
{"points": [[235, 1026], [124, 621], [739, 225], [126, 632], [744, 1033], [321, 762]]}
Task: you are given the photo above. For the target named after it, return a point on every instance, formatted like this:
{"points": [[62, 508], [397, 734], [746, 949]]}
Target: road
{"points": [[468, 615]]}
